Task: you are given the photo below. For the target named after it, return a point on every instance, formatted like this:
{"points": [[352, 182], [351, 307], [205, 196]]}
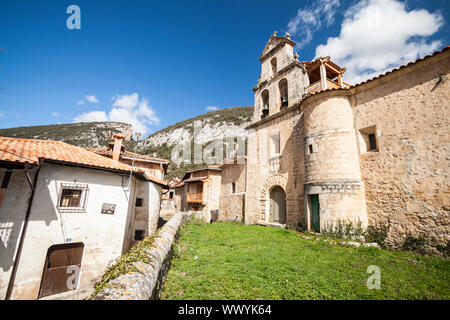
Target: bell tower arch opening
{"points": [[265, 103], [283, 88], [273, 63]]}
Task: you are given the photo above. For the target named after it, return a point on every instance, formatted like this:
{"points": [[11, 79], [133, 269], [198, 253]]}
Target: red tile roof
{"points": [[29, 151], [386, 73]]}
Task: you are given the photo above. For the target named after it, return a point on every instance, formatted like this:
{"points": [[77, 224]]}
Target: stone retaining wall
{"points": [[145, 285]]}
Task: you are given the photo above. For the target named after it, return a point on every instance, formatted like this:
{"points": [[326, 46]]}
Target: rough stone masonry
{"points": [[142, 285]]}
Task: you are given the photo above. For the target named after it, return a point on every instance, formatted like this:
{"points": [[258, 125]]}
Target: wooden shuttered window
{"points": [[55, 275]]}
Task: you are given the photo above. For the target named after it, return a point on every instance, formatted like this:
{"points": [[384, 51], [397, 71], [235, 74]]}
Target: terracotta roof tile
{"points": [[383, 74], [31, 151]]}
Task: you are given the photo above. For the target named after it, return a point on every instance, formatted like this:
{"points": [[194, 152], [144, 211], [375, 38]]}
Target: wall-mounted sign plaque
{"points": [[108, 208]]}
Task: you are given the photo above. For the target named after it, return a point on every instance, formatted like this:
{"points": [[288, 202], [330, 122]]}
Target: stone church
{"points": [[321, 150]]}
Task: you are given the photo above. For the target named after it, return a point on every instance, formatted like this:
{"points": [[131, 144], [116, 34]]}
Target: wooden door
{"points": [[55, 274], [315, 211], [278, 205]]}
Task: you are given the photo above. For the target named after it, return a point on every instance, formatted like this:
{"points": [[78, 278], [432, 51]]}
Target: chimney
{"points": [[118, 138]]}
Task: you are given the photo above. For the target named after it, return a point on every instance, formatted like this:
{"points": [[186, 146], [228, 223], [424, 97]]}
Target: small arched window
{"points": [[273, 62], [284, 97], [265, 103]]}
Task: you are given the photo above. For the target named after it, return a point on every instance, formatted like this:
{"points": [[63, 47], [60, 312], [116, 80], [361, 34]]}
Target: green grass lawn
{"points": [[233, 261]]}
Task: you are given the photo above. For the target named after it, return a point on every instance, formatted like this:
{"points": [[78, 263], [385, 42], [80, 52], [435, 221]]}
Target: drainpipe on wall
{"points": [[24, 230]]}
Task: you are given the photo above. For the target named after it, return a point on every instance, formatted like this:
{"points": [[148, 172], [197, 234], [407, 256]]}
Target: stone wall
{"points": [[232, 207], [232, 203], [406, 180], [146, 283], [212, 188]]}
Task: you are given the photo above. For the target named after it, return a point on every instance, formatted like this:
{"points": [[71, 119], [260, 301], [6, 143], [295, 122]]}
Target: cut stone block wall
{"points": [[231, 207], [145, 285], [407, 180]]}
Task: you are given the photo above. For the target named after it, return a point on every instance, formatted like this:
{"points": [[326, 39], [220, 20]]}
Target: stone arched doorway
{"points": [[277, 207], [269, 185]]}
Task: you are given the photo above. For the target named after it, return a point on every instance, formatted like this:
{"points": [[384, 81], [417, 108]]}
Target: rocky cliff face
{"points": [[206, 128], [92, 134], [205, 131], [230, 122]]}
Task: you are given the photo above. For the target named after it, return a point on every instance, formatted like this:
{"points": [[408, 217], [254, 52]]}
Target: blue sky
{"points": [[154, 63]]}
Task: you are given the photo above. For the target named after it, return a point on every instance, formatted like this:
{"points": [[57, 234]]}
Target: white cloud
{"points": [[92, 116], [311, 18], [378, 35], [126, 101], [91, 98], [211, 108], [55, 114], [88, 98], [126, 108]]}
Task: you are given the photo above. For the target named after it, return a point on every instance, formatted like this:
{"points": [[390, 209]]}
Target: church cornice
{"points": [[274, 116]]}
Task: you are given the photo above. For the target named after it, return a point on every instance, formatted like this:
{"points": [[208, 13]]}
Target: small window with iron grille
{"points": [[73, 198]]}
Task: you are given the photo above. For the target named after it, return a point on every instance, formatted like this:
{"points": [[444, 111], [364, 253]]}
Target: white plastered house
{"points": [[65, 215]]}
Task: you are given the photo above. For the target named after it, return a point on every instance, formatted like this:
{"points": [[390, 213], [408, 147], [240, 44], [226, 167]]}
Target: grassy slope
{"points": [[251, 262]]}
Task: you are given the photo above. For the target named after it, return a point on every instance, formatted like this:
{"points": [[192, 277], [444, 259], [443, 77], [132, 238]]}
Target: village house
{"points": [[376, 153], [154, 167], [198, 193], [65, 214], [168, 205]]}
